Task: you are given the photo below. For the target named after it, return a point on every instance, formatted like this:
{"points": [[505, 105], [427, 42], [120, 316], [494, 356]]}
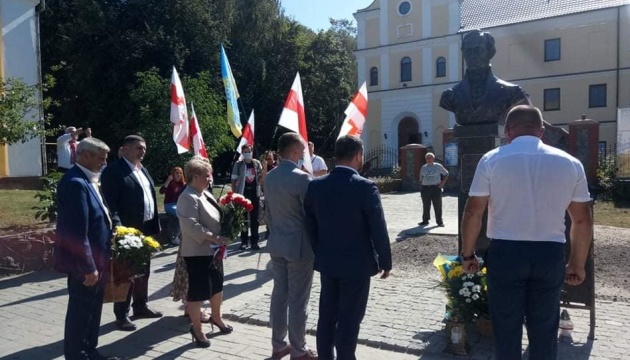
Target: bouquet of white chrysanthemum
{"points": [[131, 252], [467, 293]]}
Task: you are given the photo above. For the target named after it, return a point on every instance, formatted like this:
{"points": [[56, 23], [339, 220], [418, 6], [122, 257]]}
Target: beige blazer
{"points": [[199, 216]]}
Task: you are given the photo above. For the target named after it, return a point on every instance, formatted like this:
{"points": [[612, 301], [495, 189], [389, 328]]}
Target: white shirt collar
{"points": [[347, 167], [526, 139], [132, 165], [92, 176]]}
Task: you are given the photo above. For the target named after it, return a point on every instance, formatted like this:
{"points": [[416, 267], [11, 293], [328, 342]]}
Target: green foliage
{"points": [[152, 121], [18, 112], [387, 184], [113, 59], [606, 176], [47, 208]]}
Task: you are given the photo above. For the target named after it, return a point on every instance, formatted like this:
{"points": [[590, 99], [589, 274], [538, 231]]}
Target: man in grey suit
{"points": [[290, 250]]}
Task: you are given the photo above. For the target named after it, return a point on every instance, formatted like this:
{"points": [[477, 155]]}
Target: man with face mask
{"points": [[291, 253], [247, 176], [346, 226]]}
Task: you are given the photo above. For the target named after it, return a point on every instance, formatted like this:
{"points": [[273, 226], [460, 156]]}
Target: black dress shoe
{"points": [[255, 247], [424, 223], [147, 313], [242, 247], [125, 324]]}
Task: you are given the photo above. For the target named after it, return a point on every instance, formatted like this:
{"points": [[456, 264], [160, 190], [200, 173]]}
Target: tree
{"points": [[149, 98], [18, 112]]}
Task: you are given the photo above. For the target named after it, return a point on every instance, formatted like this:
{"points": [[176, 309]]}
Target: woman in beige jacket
{"points": [[200, 220]]}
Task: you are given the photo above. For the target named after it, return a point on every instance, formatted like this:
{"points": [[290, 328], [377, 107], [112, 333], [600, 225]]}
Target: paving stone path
{"points": [[403, 319]]}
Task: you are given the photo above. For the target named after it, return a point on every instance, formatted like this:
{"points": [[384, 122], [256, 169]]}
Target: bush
{"points": [[387, 184], [606, 178], [47, 210]]}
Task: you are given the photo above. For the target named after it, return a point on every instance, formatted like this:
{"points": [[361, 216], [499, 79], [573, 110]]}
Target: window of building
{"points": [[440, 67], [373, 76], [404, 8], [405, 69], [552, 49], [597, 96], [552, 99]]}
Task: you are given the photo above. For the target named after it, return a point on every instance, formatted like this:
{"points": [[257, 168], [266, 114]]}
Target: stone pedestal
{"points": [[411, 160], [451, 159], [473, 142], [584, 145]]}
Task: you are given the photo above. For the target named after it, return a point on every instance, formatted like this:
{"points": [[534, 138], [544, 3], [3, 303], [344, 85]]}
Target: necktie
{"points": [[73, 151]]}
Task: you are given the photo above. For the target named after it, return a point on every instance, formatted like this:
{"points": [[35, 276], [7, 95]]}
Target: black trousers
{"points": [[431, 194], [524, 282], [83, 317], [139, 290], [253, 221], [342, 306]]}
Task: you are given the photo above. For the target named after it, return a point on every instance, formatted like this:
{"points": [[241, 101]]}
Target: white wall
{"points": [[20, 38]]}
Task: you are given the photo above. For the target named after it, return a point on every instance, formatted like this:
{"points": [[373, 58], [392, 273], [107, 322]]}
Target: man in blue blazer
{"points": [[346, 225], [83, 248], [130, 195]]}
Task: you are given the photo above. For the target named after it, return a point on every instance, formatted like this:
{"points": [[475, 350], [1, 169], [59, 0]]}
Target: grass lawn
{"points": [[16, 208]]}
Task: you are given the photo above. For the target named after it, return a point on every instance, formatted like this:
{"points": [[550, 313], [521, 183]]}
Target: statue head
{"points": [[478, 48]]}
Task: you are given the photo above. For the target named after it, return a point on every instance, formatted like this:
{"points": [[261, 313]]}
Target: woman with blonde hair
{"points": [[200, 219]]}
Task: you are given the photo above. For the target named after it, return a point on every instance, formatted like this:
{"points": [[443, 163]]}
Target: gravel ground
{"points": [[414, 256]]}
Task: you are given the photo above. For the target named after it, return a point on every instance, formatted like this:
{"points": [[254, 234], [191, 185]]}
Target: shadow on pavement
{"points": [[33, 277], [48, 295], [49, 351], [141, 341]]}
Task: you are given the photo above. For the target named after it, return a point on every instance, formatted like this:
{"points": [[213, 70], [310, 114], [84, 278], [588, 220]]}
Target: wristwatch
{"points": [[466, 258]]}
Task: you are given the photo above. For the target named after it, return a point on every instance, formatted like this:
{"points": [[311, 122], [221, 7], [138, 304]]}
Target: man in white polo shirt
{"points": [[528, 186], [319, 165]]}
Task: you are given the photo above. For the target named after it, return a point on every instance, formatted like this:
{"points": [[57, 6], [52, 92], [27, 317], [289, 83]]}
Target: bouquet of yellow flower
{"points": [[131, 252], [467, 293]]}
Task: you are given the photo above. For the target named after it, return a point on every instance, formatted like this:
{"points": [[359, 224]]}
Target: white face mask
{"points": [[247, 156], [300, 163]]}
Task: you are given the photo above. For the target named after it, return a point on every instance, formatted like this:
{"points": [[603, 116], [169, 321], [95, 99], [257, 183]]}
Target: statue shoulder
{"points": [[507, 84]]}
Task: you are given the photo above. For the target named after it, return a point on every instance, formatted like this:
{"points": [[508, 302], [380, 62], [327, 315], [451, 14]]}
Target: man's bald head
{"points": [[524, 120]]}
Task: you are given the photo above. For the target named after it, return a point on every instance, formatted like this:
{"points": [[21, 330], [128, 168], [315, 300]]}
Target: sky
{"points": [[315, 13]]}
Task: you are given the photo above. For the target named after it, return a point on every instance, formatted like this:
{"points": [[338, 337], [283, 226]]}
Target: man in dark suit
{"points": [[82, 248], [346, 225], [130, 195]]}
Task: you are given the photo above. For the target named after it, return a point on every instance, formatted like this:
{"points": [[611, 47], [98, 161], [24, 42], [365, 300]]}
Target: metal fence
{"points": [[617, 156], [381, 161]]}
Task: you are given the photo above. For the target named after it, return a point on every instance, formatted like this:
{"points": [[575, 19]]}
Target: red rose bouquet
{"points": [[235, 208]]}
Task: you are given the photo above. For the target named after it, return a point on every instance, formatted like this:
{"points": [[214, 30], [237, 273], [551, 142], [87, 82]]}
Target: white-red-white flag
{"points": [[179, 114], [356, 113], [294, 118], [248, 134], [199, 146]]}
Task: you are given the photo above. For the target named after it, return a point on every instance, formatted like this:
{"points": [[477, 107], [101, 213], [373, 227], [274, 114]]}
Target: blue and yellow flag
{"points": [[231, 94]]}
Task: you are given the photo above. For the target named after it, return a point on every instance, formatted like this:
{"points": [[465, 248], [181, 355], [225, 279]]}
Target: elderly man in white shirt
{"points": [[528, 186], [67, 146]]}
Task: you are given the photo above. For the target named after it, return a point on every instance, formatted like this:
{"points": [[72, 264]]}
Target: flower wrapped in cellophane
{"points": [[467, 294], [235, 209]]}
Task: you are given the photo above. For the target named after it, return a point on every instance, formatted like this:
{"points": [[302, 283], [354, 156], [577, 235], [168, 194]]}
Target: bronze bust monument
{"points": [[481, 97]]}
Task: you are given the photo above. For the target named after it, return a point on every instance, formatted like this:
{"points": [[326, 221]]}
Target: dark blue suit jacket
{"points": [[83, 231], [346, 225], [125, 198]]}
